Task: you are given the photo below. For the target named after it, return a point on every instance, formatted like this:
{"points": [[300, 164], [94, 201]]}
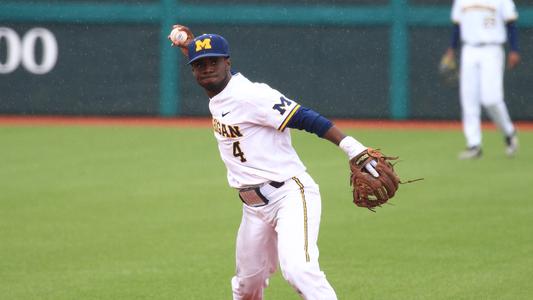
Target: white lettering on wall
{"points": [[22, 51]]}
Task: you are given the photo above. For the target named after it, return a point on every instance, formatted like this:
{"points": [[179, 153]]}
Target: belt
{"points": [[252, 196], [276, 184], [484, 44]]}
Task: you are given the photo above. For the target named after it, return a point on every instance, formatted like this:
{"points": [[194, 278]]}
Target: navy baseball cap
{"points": [[208, 45]]}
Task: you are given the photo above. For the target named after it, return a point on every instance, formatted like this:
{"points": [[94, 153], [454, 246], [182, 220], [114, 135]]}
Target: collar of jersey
{"points": [[227, 88]]}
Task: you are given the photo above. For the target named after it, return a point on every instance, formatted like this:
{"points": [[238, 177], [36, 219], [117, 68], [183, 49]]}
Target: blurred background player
{"points": [[282, 203], [483, 27]]}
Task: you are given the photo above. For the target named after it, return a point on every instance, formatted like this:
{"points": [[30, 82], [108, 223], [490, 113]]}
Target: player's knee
{"points": [[299, 272]]}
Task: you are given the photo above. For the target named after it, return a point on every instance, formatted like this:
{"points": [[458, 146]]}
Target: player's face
{"points": [[212, 73]]}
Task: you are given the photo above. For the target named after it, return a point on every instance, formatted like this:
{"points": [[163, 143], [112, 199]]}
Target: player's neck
{"points": [[214, 90]]}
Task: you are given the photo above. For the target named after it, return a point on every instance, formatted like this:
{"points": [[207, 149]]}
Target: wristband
{"points": [[351, 146]]}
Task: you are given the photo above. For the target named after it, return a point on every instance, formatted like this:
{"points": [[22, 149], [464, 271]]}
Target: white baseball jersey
{"points": [[249, 121], [483, 21]]}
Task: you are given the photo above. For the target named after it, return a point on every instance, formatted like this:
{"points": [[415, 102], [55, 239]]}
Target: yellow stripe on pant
{"points": [[306, 246]]}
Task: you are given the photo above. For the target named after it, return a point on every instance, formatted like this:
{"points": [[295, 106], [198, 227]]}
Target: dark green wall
{"points": [[433, 98], [291, 2], [449, 2], [340, 71], [98, 72], [354, 59]]}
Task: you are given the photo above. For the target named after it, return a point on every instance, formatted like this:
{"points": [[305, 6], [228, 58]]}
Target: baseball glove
{"points": [[369, 191], [448, 69]]}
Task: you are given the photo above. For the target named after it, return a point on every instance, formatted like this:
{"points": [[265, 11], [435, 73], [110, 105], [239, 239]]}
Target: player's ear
{"points": [[227, 61]]}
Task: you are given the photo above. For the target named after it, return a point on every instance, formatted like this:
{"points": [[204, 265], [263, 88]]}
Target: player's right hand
{"points": [[513, 59], [190, 36]]}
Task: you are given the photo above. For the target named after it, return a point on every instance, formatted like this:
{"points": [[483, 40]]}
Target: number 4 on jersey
{"points": [[237, 152]]}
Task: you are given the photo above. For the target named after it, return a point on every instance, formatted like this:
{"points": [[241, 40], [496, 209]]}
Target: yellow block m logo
{"points": [[203, 44]]}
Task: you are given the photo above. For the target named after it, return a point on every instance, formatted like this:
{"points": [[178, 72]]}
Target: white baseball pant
{"points": [[482, 70], [285, 231]]}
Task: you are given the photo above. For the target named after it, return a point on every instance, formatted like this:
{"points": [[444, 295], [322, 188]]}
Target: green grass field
{"points": [[145, 213]]}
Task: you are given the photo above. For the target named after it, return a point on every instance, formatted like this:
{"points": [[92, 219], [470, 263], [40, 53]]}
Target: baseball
{"points": [[178, 36]]}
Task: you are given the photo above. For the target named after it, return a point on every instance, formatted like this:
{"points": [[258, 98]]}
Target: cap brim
{"points": [[207, 55]]}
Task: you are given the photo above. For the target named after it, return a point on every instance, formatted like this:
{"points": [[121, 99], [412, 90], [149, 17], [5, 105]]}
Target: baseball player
{"points": [[484, 26], [281, 202]]}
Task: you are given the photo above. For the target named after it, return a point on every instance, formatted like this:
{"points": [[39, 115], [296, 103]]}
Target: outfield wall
{"points": [[345, 58]]}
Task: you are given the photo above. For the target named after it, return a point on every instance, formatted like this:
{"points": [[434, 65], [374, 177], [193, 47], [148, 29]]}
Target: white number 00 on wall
{"points": [[23, 51]]}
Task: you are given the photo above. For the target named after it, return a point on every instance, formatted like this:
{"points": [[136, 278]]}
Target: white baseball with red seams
{"points": [[178, 36]]}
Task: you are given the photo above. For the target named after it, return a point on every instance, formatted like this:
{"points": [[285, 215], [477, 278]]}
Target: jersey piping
{"points": [[288, 118]]}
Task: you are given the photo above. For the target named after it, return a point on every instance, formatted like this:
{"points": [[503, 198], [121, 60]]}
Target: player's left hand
{"points": [[448, 67], [513, 58], [370, 167], [373, 178]]}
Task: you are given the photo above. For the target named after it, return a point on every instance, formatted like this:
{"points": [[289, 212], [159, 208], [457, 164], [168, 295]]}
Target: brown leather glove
{"points": [[448, 69], [370, 191]]}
